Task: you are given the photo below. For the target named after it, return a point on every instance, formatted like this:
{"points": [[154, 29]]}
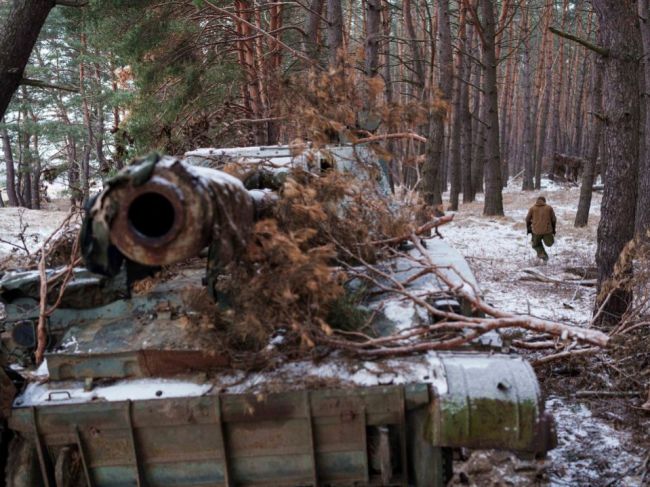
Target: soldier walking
{"points": [[541, 221]]}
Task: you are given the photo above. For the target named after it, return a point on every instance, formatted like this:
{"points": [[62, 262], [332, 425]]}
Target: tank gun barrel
{"points": [[164, 210]]}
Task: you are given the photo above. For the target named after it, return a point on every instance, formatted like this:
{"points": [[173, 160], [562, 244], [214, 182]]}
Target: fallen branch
{"points": [[536, 324], [608, 393], [452, 330], [563, 355], [421, 230], [534, 275], [534, 345], [22, 248]]}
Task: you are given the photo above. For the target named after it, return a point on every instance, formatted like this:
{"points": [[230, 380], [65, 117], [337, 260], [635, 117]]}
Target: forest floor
{"points": [[602, 442]]}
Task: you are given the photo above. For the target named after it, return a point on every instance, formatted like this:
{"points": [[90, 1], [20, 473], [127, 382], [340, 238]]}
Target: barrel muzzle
{"points": [[166, 211]]}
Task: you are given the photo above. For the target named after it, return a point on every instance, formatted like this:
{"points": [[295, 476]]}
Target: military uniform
{"points": [[541, 222]]}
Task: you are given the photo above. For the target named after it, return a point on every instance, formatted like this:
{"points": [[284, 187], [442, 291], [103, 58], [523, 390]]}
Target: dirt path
{"points": [[592, 451]]}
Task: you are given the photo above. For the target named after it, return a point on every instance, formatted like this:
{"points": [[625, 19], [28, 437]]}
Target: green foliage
{"points": [[346, 312]]}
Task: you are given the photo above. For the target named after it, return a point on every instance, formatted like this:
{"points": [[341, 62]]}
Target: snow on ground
{"points": [[591, 452], [498, 249], [37, 224], [611, 457]]}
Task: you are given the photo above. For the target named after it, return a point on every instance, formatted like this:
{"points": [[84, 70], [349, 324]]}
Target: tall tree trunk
{"points": [[588, 175], [493, 187], [456, 121], [541, 126], [373, 22], [434, 150], [76, 196], [312, 29], [554, 126], [577, 134], [505, 121], [386, 22], [417, 86], [36, 175], [620, 35], [466, 124], [543, 91], [643, 203], [527, 138], [478, 132], [10, 167], [334, 30], [416, 52]]}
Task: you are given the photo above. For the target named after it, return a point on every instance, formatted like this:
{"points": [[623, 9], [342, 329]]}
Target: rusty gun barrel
{"points": [[164, 210]]}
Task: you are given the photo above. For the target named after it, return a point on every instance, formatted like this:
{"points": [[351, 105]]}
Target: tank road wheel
{"points": [[22, 464], [430, 466]]}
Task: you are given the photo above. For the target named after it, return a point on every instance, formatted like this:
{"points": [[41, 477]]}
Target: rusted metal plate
{"points": [[140, 363]]}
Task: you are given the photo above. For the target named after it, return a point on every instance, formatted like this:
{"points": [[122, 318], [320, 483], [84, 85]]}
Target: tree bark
{"points": [[314, 17], [466, 124], [620, 35], [589, 172], [416, 52], [334, 30], [556, 84], [493, 187], [527, 138], [434, 150], [643, 203], [456, 120], [373, 22], [17, 38], [11, 169]]}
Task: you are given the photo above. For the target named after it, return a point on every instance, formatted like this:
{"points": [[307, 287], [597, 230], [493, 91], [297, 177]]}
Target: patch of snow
{"points": [[42, 370], [37, 394], [402, 313], [71, 345], [427, 369]]}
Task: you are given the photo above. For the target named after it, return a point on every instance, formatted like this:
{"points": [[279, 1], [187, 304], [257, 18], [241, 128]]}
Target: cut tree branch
{"points": [[72, 3], [401, 135], [43, 84], [589, 45]]}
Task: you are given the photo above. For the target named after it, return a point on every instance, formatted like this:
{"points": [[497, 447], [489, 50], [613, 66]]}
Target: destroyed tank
{"points": [[133, 392]]}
